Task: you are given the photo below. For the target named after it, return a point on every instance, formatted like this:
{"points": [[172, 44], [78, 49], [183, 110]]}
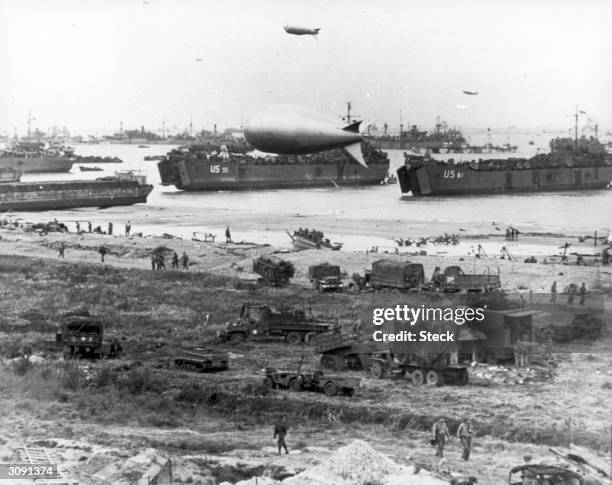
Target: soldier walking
{"points": [[440, 434], [280, 431], [465, 434], [175, 261], [102, 252], [185, 261]]}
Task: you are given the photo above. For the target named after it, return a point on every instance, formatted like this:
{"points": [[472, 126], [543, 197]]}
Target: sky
{"points": [[92, 64]]}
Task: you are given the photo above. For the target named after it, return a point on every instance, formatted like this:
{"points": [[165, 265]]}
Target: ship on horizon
{"points": [[35, 156]]}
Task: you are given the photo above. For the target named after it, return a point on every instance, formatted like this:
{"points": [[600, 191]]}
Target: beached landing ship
{"points": [[200, 168], [572, 164], [125, 188]]}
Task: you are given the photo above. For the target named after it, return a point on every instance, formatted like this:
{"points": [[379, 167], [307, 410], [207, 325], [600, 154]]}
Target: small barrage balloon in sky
{"points": [[295, 30], [470, 93]]}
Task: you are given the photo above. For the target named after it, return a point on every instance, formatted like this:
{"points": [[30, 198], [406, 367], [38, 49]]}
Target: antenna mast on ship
{"points": [[576, 129], [29, 124], [401, 124], [347, 118]]}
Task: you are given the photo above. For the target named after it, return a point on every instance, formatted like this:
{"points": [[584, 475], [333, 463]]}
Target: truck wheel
{"points": [[330, 389], [434, 378], [418, 377], [328, 362], [294, 338], [377, 370], [295, 385], [308, 338], [268, 383], [237, 338]]}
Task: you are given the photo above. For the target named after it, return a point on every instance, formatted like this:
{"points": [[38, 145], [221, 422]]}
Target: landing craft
{"points": [[470, 93], [292, 29], [293, 130]]}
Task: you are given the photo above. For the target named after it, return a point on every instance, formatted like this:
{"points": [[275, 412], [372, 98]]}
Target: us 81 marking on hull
{"points": [[218, 169], [453, 174]]}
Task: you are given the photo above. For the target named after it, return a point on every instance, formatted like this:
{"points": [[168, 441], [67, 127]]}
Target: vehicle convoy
{"points": [[83, 336], [201, 359], [578, 164], [314, 381], [260, 322], [389, 274], [423, 362], [325, 277], [273, 271], [454, 280]]}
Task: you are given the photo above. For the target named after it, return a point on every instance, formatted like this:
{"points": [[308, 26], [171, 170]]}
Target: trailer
{"points": [[313, 381], [261, 322], [201, 360]]}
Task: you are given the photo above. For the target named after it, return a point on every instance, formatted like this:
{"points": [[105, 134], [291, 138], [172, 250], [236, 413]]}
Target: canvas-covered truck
{"points": [[340, 350], [390, 274], [261, 322], [325, 277], [83, 336], [314, 381], [273, 270], [201, 360], [454, 280]]}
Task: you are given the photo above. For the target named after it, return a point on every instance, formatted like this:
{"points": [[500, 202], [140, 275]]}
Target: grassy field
{"points": [[156, 313]]}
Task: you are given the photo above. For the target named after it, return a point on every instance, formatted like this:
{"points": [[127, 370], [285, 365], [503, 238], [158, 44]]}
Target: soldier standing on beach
{"points": [[89, 226], [128, 227], [185, 261], [175, 261], [228, 235], [153, 262], [553, 292], [102, 252], [110, 228], [61, 250], [465, 434], [280, 431], [440, 434], [78, 227]]}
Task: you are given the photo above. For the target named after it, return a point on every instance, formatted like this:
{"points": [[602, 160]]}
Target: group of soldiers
{"points": [[572, 292], [441, 434], [158, 261]]}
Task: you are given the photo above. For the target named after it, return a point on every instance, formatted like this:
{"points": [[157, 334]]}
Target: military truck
{"points": [[260, 322], [273, 270], [201, 360], [389, 274], [325, 277], [454, 280], [314, 381], [423, 362], [83, 336]]}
